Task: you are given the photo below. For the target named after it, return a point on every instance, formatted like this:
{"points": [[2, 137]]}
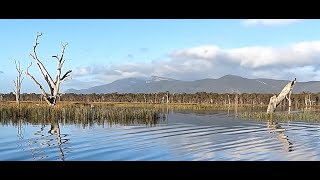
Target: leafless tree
{"points": [[167, 96], [18, 82], [285, 93], [54, 86]]}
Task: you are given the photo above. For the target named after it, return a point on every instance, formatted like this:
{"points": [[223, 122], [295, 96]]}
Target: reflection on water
{"points": [[55, 130], [43, 142], [184, 135], [280, 133]]}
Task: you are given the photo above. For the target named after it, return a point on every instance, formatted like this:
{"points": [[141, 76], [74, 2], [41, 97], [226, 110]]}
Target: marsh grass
{"points": [[188, 106], [305, 115], [78, 114]]}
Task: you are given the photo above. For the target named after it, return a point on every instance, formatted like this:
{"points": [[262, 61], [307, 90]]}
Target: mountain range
{"points": [[225, 84]]}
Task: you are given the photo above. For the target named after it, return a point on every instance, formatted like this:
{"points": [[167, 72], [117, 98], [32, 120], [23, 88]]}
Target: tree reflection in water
{"points": [[280, 132], [41, 141], [55, 130]]}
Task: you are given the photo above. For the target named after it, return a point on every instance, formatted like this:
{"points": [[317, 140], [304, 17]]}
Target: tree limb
{"points": [[14, 82], [60, 64], [43, 70], [37, 83], [62, 54], [67, 74]]}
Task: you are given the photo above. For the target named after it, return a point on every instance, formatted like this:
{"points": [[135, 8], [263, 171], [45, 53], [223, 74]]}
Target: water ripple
{"points": [[186, 136]]}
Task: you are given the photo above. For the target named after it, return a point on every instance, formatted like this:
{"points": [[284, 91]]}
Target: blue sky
{"points": [[101, 51]]}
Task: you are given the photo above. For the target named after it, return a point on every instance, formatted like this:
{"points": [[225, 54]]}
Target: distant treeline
{"points": [[165, 97]]}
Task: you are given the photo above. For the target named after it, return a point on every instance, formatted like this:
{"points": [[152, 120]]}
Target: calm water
{"points": [[183, 136]]}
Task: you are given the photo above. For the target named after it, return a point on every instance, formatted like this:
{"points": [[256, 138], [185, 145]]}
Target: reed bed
{"points": [[78, 114], [306, 116], [189, 106]]}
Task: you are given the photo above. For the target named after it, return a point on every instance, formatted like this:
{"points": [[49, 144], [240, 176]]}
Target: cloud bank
{"points": [[269, 22], [300, 60]]}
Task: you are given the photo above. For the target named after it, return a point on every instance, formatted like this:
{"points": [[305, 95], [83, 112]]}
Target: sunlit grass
{"points": [[306, 116], [78, 113], [130, 113]]}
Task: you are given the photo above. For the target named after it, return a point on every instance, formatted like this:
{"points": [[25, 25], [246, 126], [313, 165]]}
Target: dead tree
{"points": [[307, 100], [54, 85], [285, 93], [167, 97], [18, 82]]}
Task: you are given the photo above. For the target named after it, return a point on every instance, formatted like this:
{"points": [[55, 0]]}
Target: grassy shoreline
{"points": [[70, 112], [131, 112], [141, 104]]}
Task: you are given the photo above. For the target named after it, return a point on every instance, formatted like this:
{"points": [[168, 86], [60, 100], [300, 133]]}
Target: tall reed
{"points": [[79, 113]]}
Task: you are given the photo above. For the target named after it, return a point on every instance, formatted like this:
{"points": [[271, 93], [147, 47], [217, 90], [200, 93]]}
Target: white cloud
{"points": [[300, 60], [81, 72], [79, 84], [269, 22], [202, 52]]}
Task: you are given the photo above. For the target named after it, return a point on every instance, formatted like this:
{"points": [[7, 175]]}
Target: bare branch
{"points": [[65, 79], [29, 67], [67, 74], [60, 63], [37, 83], [43, 70], [38, 35], [16, 65], [56, 56], [64, 47]]}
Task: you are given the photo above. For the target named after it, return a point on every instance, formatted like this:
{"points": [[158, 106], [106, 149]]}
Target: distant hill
{"points": [[225, 84]]}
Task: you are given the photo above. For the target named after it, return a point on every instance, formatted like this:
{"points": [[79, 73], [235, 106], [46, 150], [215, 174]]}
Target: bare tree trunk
{"points": [[289, 99], [54, 86], [18, 82], [272, 104], [309, 100], [306, 100], [236, 99], [155, 98], [276, 100]]}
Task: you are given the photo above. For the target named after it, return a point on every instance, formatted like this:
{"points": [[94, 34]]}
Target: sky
{"points": [[101, 51]]}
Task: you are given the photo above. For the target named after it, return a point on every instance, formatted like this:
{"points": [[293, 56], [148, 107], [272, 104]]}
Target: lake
{"points": [[185, 135]]}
